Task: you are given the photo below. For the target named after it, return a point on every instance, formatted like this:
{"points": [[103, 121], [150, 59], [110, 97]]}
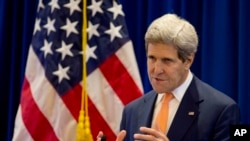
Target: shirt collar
{"points": [[179, 91]]}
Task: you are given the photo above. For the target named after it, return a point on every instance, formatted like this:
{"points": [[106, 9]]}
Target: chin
{"points": [[161, 90], [158, 90]]}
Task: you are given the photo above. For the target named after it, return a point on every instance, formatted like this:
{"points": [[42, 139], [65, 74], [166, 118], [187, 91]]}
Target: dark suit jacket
{"points": [[214, 112]]}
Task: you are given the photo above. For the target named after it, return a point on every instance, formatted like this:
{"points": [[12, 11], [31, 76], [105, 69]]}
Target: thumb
{"points": [[121, 135], [99, 136]]}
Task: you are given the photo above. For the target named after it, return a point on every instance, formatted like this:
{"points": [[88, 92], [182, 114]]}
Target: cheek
{"points": [[180, 75], [149, 67], [176, 73]]}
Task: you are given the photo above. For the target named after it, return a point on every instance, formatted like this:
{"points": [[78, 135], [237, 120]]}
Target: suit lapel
{"points": [[186, 114], [147, 109]]}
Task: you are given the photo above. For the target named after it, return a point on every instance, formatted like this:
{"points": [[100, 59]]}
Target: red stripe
{"points": [[120, 80], [35, 122], [73, 102], [97, 123]]}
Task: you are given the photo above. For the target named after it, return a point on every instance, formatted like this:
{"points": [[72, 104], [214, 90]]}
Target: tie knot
{"points": [[167, 97]]}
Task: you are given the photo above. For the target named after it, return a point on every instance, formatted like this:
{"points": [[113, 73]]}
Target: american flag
{"points": [[52, 87]]}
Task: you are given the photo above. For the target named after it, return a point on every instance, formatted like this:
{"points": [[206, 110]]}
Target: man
{"points": [[196, 110]]}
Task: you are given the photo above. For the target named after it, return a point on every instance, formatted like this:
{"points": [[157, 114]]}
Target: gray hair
{"points": [[171, 29]]}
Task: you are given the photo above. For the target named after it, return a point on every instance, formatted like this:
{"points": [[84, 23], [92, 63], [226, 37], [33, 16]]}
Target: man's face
{"points": [[165, 70]]}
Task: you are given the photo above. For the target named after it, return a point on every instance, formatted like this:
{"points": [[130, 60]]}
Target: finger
{"points": [[99, 136], [153, 133], [143, 137], [157, 127], [121, 135], [149, 131], [157, 133]]}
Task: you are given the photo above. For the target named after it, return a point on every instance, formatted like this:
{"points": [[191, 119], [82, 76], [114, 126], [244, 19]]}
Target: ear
{"points": [[189, 61]]}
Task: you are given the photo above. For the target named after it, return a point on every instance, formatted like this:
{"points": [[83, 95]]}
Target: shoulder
{"points": [[209, 93], [148, 97]]}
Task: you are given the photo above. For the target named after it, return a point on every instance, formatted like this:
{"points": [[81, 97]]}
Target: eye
{"points": [[151, 58], [167, 60]]}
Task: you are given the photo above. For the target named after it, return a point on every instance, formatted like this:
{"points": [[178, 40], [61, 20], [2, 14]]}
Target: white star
{"points": [[116, 9], [90, 52], [92, 30], [95, 7], [37, 26], [54, 4], [73, 5], [50, 25], [40, 5], [46, 48], [114, 31], [61, 73], [70, 27], [65, 50]]}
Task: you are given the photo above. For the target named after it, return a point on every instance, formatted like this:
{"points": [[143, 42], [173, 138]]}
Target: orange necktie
{"points": [[162, 116]]}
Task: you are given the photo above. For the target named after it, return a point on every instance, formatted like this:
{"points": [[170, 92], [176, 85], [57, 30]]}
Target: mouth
{"points": [[158, 79]]}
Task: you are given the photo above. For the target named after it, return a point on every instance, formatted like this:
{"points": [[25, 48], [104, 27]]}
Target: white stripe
{"points": [[20, 131], [48, 101], [127, 57], [105, 100]]}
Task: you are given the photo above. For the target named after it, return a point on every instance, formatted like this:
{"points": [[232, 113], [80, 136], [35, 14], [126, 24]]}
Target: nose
{"points": [[158, 67]]}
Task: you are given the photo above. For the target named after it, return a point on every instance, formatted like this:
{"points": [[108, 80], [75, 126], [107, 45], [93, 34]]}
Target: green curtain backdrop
{"points": [[222, 59]]}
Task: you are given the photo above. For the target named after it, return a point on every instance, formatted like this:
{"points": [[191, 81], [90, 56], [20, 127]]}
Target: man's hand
{"points": [[150, 134], [99, 136], [120, 137]]}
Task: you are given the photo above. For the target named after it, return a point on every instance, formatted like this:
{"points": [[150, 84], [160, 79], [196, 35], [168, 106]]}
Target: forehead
{"points": [[161, 49]]}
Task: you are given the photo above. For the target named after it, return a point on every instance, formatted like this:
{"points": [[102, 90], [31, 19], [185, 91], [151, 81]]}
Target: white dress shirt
{"points": [[175, 102]]}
